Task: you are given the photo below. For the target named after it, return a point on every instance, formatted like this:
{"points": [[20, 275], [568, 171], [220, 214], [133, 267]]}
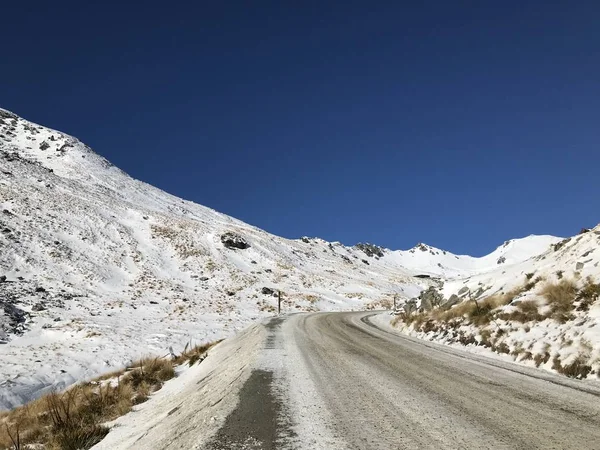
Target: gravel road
{"points": [[336, 381]]}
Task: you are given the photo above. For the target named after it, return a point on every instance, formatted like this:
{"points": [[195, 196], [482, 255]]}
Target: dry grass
{"points": [[560, 297], [526, 311], [73, 420], [194, 354], [151, 371], [479, 312]]}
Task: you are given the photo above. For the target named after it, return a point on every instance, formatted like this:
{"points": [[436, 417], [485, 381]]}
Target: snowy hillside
{"points": [[97, 268], [543, 311]]}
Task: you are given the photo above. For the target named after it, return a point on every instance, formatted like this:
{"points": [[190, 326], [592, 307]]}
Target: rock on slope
{"points": [[97, 268]]}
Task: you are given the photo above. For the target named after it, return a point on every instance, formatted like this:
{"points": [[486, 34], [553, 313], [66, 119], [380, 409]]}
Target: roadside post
{"points": [[278, 302]]}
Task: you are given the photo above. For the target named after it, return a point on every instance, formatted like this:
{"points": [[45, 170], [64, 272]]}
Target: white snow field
{"points": [[97, 269]]}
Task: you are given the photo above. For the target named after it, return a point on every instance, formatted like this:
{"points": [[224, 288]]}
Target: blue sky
{"points": [[458, 124]]}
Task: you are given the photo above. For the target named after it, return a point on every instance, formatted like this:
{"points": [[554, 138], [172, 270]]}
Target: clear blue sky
{"points": [[459, 124]]}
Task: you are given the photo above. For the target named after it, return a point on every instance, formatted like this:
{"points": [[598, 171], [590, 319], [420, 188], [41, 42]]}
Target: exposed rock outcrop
{"points": [[370, 249], [232, 240]]}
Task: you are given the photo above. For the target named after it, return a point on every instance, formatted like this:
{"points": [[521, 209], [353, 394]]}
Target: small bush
{"points": [[588, 295], [467, 339], [541, 358], [577, 369], [429, 326], [526, 356], [501, 348]]}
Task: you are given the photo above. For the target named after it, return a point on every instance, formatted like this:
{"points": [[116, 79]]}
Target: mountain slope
{"points": [[97, 268]]}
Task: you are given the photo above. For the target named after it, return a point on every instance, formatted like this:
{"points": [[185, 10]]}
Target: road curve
{"points": [[336, 381]]}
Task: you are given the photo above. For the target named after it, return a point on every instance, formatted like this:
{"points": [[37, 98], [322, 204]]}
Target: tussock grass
{"points": [[560, 297], [526, 311], [73, 420], [152, 371]]}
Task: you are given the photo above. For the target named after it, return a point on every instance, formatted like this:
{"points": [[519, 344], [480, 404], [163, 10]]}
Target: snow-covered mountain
{"points": [[97, 268]]}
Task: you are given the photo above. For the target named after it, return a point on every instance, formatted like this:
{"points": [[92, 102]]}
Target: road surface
{"points": [[336, 381]]}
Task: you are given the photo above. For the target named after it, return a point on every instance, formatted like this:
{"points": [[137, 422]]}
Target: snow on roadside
{"points": [[190, 409]]}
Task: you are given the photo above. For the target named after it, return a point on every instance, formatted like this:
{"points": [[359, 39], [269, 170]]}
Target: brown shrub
{"points": [[588, 295], [526, 356], [467, 339], [429, 326], [577, 369], [501, 348], [541, 358]]}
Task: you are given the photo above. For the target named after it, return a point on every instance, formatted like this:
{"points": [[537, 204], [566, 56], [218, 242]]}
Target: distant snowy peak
{"points": [[421, 247], [428, 260], [518, 250]]}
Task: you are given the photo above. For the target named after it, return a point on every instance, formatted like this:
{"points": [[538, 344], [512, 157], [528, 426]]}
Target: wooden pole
{"points": [[278, 302]]}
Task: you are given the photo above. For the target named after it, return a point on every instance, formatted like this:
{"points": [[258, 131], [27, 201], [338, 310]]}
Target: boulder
{"points": [[560, 244], [463, 290], [430, 298], [409, 307], [268, 291], [453, 300], [234, 241]]}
